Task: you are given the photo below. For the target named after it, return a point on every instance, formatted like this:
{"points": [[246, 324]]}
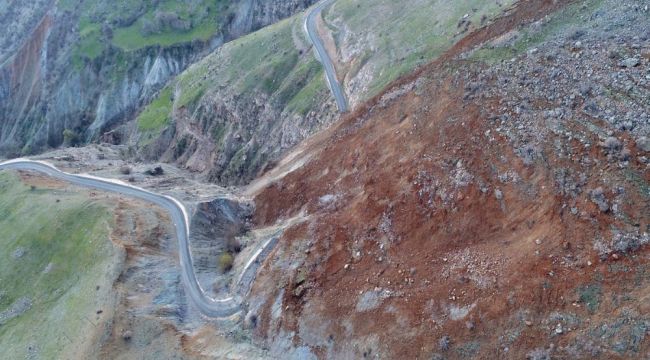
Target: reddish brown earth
{"points": [[416, 214]]}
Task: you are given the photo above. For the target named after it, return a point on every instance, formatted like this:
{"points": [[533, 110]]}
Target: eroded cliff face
{"points": [[252, 15], [43, 91], [19, 20], [231, 141]]}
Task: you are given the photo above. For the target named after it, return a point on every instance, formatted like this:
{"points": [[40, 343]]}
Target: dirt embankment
{"points": [[431, 233]]}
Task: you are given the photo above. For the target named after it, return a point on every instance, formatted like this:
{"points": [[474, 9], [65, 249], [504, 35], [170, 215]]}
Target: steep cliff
{"points": [[234, 113], [89, 66]]}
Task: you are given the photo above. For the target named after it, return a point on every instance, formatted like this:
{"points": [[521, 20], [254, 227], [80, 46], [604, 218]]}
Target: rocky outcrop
{"points": [[214, 227], [235, 140], [19, 19], [252, 15]]}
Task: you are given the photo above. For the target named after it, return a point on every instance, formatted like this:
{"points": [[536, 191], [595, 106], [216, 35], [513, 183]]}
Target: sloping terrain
{"points": [[48, 307], [240, 107], [378, 41], [232, 115], [84, 67], [480, 208]]}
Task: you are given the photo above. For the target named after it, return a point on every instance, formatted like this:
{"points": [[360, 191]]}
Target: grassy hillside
{"points": [[267, 62], [55, 253], [132, 25], [387, 39], [573, 16]]}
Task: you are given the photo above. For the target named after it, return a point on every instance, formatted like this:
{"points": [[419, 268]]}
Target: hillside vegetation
{"points": [[380, 40], [133, 25], [56, 253], [254, 98], [250, 99]]}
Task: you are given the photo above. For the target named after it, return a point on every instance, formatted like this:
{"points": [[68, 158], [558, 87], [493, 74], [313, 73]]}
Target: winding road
{"points": [[211, 307], [217, 308], [323, 56]]}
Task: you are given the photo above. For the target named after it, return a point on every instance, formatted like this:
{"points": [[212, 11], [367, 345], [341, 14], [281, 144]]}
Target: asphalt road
{"points": [[328, 65], [217, 308]]}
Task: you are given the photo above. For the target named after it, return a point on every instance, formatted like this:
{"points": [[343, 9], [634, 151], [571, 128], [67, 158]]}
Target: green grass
{"points": [[395, 39], [126, 19], [574, 14], [72, 236], [130, 38], [265, 62], [157, 115], [203, 14]]}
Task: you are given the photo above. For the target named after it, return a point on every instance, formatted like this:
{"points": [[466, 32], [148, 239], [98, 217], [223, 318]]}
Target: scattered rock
{"points": [[157, 171], [612, 144], [630, 62], [16, 309], [598, 198], [125, 170], [643, 144], [18, 253], [629, 242], [444, 343]]}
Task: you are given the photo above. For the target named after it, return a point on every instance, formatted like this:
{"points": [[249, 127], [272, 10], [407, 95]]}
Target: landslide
{"points": [[486, 206]]}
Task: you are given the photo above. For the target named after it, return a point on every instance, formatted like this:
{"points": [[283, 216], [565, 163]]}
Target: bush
{"points": [[70, 138], [157, 171], [125, 169], [232, 244], [226, 261]]}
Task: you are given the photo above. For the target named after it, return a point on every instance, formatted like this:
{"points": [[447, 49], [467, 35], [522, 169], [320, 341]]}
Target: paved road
{"points": [[330, 72], [217, 308]]}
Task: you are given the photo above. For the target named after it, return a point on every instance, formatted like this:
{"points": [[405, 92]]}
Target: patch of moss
{"points": [[590, 295]]}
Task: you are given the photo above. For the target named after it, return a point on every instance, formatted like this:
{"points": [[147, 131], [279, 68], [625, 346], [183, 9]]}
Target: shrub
{"points": [[225, 262], [232, 244], [125, 169], [70, 138], [157, 171]]}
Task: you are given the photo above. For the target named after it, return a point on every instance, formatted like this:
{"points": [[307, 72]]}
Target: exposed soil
{"points": [[429, 234]]}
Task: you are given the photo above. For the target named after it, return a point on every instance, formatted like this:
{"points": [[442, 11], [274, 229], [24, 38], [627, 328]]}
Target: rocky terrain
{"points": [[480, 208], [488, 196]]}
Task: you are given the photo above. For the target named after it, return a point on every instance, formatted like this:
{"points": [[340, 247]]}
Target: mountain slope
{"points": [[90, 65], [232, 116], [479, 208]]}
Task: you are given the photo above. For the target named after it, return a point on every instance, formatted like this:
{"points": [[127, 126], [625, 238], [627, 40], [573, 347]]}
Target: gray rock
{"points": [[18, 253], [630, 62], [612, 144], [643, 143], [598, 198], [444, 343]]}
